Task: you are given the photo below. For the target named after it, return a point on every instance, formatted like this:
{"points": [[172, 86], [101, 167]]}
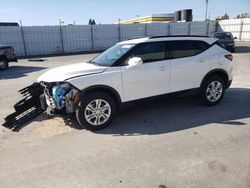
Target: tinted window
{"points": [[223, 36], [150, 51], [200, 46], [179, 49]]}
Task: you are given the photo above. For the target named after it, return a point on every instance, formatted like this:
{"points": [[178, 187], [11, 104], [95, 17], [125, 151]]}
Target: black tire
{"points": [[5, 63], [232, 50], [85, 101], [204, 93]]}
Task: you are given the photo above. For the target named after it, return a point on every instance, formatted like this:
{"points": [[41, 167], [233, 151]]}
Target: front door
{"points": [[149, 79]]}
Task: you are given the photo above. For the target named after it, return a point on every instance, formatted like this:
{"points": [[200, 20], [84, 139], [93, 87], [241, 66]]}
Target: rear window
{"points": [[223, 36]]}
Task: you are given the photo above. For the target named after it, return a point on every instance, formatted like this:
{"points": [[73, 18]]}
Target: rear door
{"points": [[189, 63]]}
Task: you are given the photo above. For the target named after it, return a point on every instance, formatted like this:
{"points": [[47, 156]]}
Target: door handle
{"points": [[163, 68], [201, 60]]}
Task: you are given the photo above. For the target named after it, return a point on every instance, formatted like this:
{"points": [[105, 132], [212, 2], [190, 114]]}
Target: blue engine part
{"points": [[59, 91]]}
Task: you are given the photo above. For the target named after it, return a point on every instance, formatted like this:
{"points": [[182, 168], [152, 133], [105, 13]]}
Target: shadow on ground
{"points": [[157, 117], [18, 71], [242, 49], [166, 115]]}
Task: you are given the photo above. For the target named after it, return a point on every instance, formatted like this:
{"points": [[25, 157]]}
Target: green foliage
{"points": [[225, 17], [92, 22], [243, 15]]}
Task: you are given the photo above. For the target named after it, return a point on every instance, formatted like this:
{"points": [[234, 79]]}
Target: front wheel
{"points": [[96, 110], [4, 64], [212, 90]]}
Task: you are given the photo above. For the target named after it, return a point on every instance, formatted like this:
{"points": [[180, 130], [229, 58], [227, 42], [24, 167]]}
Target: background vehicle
{"points": [[132, 70], [226, 40], [7, 54]]}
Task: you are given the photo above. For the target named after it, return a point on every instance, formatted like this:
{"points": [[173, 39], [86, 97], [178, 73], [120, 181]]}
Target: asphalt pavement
{"points": [[175, 142]]}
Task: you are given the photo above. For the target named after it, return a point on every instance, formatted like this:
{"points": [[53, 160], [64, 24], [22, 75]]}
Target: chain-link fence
{"points": [[45, 40]]}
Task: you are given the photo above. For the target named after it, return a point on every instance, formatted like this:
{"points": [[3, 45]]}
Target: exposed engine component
{"points": [[69, 101], [59, 91]]}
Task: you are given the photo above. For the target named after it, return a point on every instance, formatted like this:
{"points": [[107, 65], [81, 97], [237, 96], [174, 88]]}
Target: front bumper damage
{"points": [[36, 99], [27, 108]]}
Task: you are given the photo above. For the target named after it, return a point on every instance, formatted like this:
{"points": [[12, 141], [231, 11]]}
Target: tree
{"points": [[243, 15], [92, 22], [225, 17]]}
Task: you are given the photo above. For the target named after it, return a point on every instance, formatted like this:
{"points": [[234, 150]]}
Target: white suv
{"points": [[137, 69]]}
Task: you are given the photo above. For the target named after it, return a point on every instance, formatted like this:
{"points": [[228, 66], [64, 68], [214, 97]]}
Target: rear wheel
{"points": [[96, 110], [212, 90], [4, 64]]}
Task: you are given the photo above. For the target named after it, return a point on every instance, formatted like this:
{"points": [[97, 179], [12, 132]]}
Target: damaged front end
{"points": [[39, 97], [59, 96]]}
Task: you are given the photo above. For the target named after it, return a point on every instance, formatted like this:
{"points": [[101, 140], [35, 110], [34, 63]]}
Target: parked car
{"points": [[226, 40], [132, 70], [7, 54]]}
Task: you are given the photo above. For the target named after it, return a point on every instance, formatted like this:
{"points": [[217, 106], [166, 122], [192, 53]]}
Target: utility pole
{"points": [[119, 30], [23, 39], [206, 10], [61, 35]]}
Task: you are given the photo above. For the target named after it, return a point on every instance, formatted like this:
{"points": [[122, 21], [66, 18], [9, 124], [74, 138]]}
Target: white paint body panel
{"points": [[110, 77], [148, 79], [62, 73], [187, 73]]}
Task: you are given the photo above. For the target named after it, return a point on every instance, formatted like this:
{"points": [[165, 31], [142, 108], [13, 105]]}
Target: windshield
{"points": [[111, 55], [223, 35]]}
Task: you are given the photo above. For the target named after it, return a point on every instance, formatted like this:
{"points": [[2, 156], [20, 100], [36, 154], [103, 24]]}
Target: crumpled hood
{"points": [[69, 71]]}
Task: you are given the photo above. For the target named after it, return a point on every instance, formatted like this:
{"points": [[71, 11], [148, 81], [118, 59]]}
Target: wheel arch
{"points": [[103, 88], [220, 72]]}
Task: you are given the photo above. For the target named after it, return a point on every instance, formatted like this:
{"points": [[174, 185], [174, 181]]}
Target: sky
{"points": [[48, 12]]}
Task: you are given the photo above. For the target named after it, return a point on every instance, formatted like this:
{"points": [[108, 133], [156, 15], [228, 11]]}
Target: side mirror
{"points": [[135, 61], [235, 37]]}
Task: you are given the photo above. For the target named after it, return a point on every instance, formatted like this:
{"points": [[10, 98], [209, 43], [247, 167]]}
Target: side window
{"points": [[181, 49], [200, 46], [150, 52]]}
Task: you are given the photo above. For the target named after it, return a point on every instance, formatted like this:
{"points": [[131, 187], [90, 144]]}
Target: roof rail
{"points": [[137, 37], [154, 37]]}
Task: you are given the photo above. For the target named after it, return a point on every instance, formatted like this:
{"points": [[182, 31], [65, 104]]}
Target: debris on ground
{"points": [[27, 108]]}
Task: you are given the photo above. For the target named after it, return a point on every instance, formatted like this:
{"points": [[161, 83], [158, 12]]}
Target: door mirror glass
{"points": [[135, 61]]}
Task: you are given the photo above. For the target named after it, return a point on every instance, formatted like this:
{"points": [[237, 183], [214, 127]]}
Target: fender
{"points": [[220, 72], [104, 88]]}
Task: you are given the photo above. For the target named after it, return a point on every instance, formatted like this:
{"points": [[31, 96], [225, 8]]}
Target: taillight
{"points": [[229, 56]]}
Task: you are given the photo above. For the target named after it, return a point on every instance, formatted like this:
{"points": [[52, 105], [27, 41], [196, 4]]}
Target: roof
{"points": [[4, 46], [135, 41], [9, 24], [169, 38]]}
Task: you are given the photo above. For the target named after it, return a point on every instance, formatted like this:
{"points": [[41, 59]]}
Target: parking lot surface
{"points": [[175, 142]]}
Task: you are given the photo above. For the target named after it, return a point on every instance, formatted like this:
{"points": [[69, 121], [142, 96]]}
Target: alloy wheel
{"points": [[97, 112]]}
